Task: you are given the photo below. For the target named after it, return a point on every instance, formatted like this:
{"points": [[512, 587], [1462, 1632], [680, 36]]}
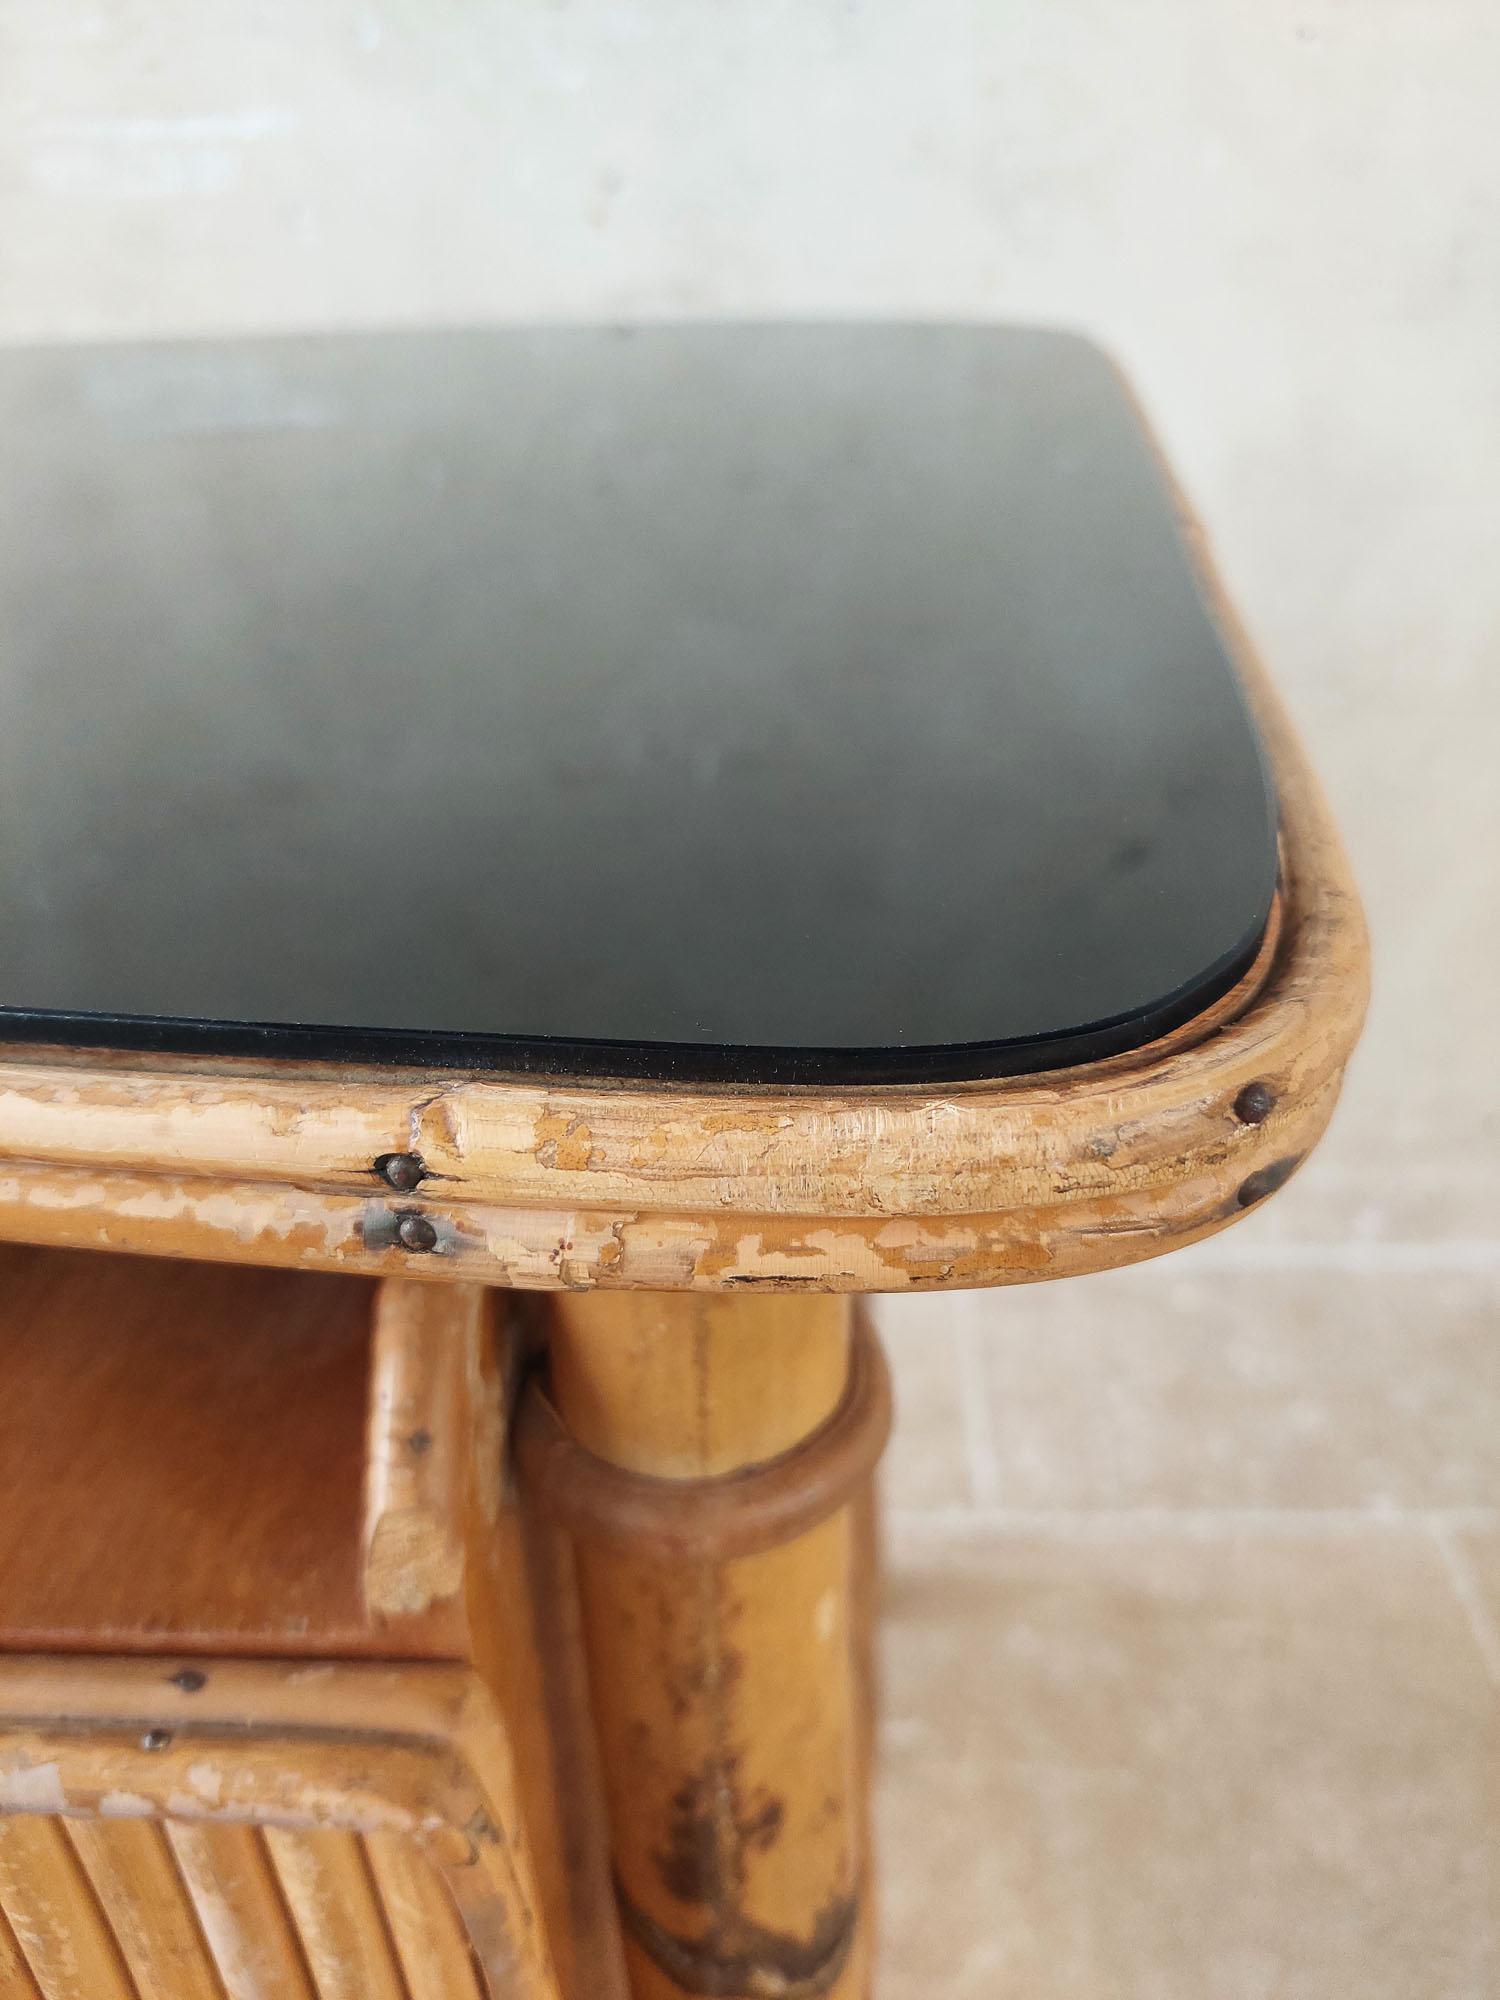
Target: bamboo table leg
{"points": [[727, 1687]]}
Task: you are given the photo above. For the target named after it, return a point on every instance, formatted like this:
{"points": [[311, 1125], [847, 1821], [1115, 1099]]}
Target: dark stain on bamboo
{"points": [[738, 1957], [713, 1830], [1266, 1180]]}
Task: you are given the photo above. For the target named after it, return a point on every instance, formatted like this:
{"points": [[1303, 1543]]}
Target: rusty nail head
{"points": [[1255, 1103], [415, 1232], [402, 1171]]}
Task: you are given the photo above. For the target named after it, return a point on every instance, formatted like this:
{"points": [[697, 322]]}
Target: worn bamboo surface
{"points": [[419, 1447], [131, 1908], [284, 1831], [525, 1642], [234, 1894], [725, 1692]]}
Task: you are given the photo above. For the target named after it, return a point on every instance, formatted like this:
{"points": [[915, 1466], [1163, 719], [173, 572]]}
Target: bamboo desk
{"points": [[609, 843]]}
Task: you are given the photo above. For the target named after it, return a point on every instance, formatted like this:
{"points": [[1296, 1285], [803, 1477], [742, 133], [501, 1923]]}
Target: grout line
{"points": [[202, 128], [1065, 1523], [1337, 1168], [1466, 1590], [1356, 1259], [980, 1446]]}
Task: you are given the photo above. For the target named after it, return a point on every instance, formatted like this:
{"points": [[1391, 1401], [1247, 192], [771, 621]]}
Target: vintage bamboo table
{"points": [[535, 866]]}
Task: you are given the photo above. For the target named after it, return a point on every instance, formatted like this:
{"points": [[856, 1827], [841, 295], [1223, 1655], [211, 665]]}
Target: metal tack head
{"points": [[1255, 1103], [156, 1739], [415, 1232], [402, 1171]]}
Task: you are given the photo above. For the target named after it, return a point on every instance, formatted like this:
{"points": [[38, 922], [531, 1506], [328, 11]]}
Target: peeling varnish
{"points": [[207, 1782], [126, 1805], [563, 1142], [32, 1788]]}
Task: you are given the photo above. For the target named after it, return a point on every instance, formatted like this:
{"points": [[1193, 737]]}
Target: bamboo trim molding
{"points": [[414, 1751], [424, 1381], [729, 1514], [551, 1185]]}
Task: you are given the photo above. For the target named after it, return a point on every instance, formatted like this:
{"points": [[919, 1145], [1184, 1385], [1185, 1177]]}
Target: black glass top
{"points": [[777, 703]]}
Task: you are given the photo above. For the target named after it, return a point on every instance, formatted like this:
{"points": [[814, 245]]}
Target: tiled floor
{"points": [[1192, 1656]]}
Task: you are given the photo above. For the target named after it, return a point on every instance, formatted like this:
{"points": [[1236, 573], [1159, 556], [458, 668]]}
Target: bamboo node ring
{"points": [[715, 1519]]}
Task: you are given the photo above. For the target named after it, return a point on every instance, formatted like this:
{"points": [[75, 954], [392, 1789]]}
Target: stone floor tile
{"points": [[1187, 1768], [1164, 1386]]}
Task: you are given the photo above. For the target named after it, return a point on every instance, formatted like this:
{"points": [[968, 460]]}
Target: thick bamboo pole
{"points": [[726, 1692]]}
